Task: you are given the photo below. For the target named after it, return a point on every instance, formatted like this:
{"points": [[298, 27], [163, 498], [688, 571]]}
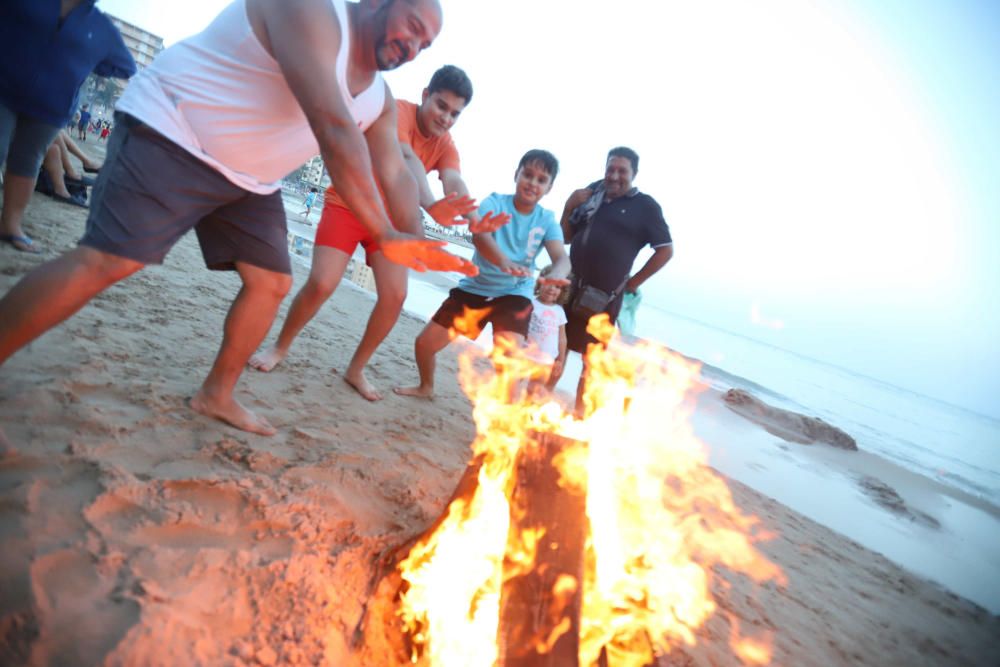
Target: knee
{"points": [[103, 267], [392, 298], [270, 284], [52, 156], [321, 286]]}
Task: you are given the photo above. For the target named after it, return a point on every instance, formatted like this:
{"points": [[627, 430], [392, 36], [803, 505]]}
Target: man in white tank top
{"points": [[202, 140]]}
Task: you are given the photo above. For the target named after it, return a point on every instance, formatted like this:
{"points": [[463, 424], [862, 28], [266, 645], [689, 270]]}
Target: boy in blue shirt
{"points": [[501, 293]]}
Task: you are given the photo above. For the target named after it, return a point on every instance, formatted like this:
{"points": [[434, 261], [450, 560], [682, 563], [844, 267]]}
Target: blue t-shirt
{"points": [[521, 239]]}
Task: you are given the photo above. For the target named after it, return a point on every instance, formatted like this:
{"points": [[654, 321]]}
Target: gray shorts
{"points": [[23, 142], [150, 192]]}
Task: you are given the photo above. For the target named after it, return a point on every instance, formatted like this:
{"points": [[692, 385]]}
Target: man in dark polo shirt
{"points": [[607, 224]]}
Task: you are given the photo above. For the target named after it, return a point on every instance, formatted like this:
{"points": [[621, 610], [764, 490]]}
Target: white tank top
{"points": [[222, 97]]}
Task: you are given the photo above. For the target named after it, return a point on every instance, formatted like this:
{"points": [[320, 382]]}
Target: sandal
{"points": [[20, 243], [84, 180]]}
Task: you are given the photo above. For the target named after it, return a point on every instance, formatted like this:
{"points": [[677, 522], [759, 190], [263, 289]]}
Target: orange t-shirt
{"points": [[436, 153]]}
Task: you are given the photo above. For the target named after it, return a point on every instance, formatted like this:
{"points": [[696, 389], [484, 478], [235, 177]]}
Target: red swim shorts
{"points": [[340, 229]]}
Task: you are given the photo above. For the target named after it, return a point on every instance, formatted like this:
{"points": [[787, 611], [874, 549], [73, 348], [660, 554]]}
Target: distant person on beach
{"points": [[547, 328], [501, 293], [309, 201], [607, 224], [84, 123], [424, 135], [202, 139], [47, 49]]}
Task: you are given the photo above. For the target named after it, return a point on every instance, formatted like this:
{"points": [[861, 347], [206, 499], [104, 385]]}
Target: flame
{"points": [[659, 520]]}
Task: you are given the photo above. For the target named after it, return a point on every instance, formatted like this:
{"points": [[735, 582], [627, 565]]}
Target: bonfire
{"points": [[578, 539]]}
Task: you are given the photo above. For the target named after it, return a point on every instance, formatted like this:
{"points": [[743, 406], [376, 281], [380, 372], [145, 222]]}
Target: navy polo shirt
{"points": [[619, 230], [43, 61]]}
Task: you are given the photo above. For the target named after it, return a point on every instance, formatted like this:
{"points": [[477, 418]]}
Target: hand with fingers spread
{"points": [[549, 280], [423, 255], [451, 209], [489, 223]]}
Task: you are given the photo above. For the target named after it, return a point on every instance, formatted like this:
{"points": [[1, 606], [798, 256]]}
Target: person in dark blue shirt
{"points": [[607, 224], [47, 49]]}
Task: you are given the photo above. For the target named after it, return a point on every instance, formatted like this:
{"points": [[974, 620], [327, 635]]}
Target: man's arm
{"points": [[305, 37], [416, 168], [399, 184], [117, 62], [576, 199], [659, 259]]}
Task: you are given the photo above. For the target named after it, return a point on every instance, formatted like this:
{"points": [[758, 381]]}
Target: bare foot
{"points": [[362, 386], [419, 391], [232, 413], [265, 361]]}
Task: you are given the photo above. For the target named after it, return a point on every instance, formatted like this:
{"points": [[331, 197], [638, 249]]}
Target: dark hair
{"points": [[313, 190], [452, 79], [546, 159], [623, 151]]}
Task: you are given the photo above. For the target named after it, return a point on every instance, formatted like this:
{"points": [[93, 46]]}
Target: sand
{"points": [[137, 532]]}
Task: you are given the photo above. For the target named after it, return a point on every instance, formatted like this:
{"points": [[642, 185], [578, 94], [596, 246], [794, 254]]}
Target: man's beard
{"points": [[380, 21]]}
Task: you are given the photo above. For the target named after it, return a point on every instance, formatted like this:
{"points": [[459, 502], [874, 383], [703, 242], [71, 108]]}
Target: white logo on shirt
{"points": [[535, 237]]}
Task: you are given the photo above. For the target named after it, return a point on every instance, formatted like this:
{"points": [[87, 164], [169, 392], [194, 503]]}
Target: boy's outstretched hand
{"points": [[558, 282], [489, 222], [423, 254], [450, 209]]}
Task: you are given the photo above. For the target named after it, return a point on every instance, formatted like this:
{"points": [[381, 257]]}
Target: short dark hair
{"points": [[624, 151], [452, 79], [546, 159]]}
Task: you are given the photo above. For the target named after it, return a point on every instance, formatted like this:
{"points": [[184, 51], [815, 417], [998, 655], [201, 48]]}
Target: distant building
{"points": [[143, 45], [315, 174]]}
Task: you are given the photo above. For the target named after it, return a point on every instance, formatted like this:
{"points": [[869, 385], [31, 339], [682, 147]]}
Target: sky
{"points": [[830, 170]]}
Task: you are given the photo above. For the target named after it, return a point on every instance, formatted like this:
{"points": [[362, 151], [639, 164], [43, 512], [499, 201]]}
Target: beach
{"points": [[138, 532]]}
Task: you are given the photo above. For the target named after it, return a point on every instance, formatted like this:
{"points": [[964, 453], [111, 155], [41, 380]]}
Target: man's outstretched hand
{"points": [[423, 254], [449, 210], [489, 222]]}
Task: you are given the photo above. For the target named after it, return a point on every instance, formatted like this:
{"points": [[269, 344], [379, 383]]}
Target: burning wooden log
{"points": [[540, 606], [541, 597]]}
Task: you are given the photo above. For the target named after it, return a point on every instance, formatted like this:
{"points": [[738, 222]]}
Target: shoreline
{"points": [[138, 532]]}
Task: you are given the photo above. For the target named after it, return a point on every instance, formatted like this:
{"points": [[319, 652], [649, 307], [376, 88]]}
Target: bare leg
{"points": [[71, 146], [53, 165], [328, 266], [390, 284], [16, 195], [249, 318], [67, 164], [431, 340], [55, 290]]}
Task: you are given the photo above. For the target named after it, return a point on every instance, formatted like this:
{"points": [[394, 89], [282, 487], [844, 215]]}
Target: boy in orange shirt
{"points": [[427, 146]]}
